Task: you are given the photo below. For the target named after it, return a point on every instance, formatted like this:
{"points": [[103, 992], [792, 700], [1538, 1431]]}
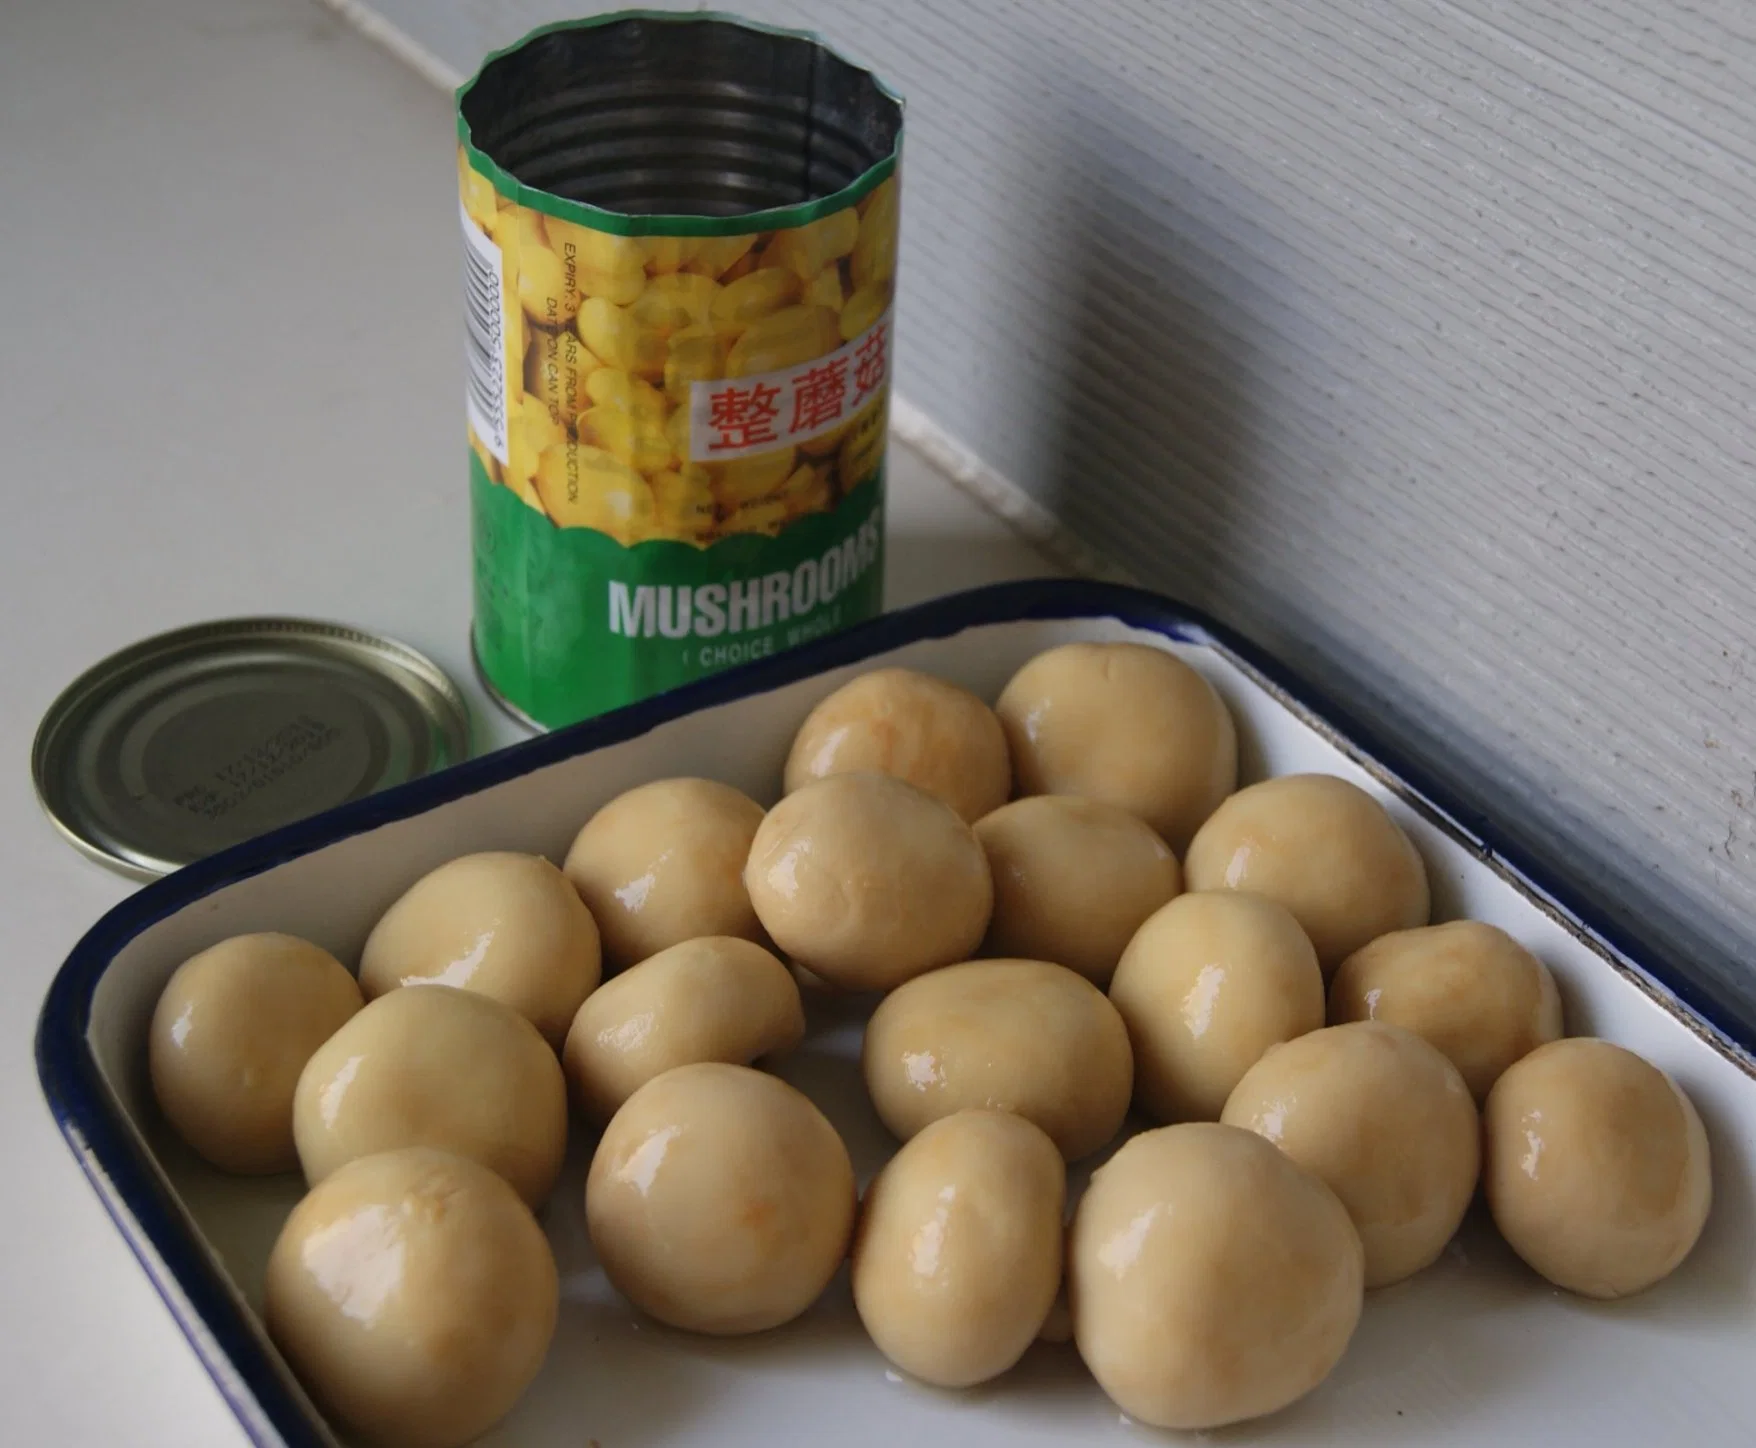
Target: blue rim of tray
{"points": [[244, 1368]]}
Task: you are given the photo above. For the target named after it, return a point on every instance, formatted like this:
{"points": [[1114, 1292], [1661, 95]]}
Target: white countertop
{"points": [[230, 383]]}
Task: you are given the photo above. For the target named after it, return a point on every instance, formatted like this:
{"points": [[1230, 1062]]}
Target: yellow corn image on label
{"points": [[676, 387]]}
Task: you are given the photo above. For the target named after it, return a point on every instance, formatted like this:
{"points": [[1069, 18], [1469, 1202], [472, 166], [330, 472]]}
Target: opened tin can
{"points": [[680, 242]]}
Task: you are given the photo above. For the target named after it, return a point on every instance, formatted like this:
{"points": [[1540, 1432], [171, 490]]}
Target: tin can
{"points": [[680, 244], [193, 741]]}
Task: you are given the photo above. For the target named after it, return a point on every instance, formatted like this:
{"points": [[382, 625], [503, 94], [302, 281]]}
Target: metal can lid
{"points": [[195, 740]]}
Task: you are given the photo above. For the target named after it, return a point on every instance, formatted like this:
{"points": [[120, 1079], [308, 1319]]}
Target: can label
{"points": [[676, 440]]}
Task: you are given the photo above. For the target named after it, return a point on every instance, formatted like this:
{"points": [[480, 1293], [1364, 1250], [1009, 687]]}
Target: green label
{"points": [[571, 623]]}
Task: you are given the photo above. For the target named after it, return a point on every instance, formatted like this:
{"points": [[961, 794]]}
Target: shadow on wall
{"points": [[1156, 367], [1163, 359], [1183, 349]]}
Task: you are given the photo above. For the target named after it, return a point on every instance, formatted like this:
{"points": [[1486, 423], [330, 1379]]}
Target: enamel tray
{"points": [[1475, 1350]]}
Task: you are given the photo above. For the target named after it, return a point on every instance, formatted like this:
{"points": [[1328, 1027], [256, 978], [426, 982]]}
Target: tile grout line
{"points": [[998, 494], [963, 469], [396, 40]]}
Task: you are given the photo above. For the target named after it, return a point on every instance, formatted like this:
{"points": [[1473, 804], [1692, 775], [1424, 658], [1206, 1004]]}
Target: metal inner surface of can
{"points": [[681, 115]]}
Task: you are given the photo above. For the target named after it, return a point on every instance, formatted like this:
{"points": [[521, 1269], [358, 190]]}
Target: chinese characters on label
{"points": [[738, 415]]}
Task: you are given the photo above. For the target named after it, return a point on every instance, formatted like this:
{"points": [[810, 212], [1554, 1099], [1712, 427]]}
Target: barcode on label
{"points": [[485, 325]]}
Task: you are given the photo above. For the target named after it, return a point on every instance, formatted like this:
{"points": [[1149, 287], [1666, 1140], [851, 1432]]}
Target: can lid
{"points": [[186, 743]]}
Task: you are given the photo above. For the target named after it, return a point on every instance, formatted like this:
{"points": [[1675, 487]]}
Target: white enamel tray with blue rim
{"points": [[1476, 1350]]}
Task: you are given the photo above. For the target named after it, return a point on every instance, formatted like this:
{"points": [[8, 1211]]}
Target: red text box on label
{"points": [[736, 416]]}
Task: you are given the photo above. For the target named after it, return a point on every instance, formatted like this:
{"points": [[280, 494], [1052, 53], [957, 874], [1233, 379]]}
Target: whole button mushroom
{"points": [[957, 1260], [720, 1200], [1073, 880], [714, 999], [414, 1295], [506, 925], [232, 1030], [663, 863], [1597, 1171], [1211, 1280], [1208, 984], [1129, 724], [1323, 848], [1468, 988], [1016, 1035], [938, 737], [436, 1067], [867, 881], [1385, 1121]]}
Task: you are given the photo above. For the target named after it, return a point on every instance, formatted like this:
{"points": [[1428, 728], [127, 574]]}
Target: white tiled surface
{"points": [[229, 383]]}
